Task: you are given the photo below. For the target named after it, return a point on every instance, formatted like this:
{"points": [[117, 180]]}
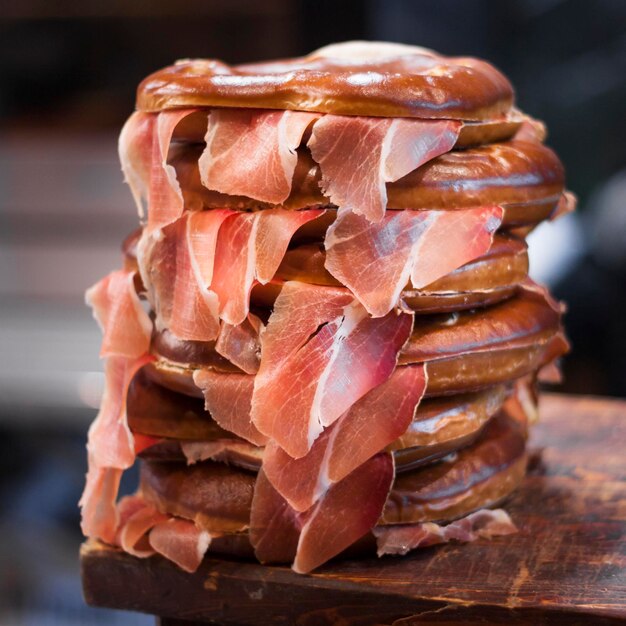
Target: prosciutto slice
{"points": [[250, 248], [180, 541], [376, 261], [252, 152], [274, 525], [99, 516], [110, 448], [110, 442], [335, 523], [143, 148], [373, 422], [308, 379], [136, 519], [228, 399], [358, 155], [126, 327], [403, 538], [241, 344]]}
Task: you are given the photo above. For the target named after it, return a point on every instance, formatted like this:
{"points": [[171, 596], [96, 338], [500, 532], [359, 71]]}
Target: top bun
{"points": [[351, 78]]}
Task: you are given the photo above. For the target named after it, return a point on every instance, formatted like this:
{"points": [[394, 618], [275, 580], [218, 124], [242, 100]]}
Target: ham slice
{"points": [[228, 398], [274, 230], [180, 541], [126, 327], [335, 523], [250, 247], [372, 423], [241, 344], [358, 155], [274, 525], [143, 148], [403, 538], [136, 519], [253, 152], [375, 261], [310, 376], [110, 442], [99, 516], [223, 450], [174, 268], [567, 204], [234, 271], [135, 153]]}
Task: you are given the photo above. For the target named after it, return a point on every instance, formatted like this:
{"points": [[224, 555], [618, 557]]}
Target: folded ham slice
{"points": [[252, 152], [334, 523], [400, 539], [372, 423], [99, 517], [228, 399], [180, 541], [111, 449], [241, 344], [358, 155], [136, 520], [143, 148], [375, 261], [126, 327], [321, 352]]}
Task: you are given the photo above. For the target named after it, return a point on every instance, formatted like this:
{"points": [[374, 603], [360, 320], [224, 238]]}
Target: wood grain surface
{"points": [[567, 564]]}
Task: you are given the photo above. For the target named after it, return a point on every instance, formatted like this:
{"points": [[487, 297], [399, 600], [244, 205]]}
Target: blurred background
{"points": [[68, 72]]}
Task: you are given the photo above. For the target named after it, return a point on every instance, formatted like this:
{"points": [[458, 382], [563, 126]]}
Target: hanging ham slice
{"points": [[98, 512], [334, 523], [136, 519], [126, 327], [273, 232], [227, 398], [110, 450], [241, 344], [403, 538], [308, 379], [110, 442], [375, 261], [143, 148], [373, 422], [180, 541], [274, 525], [358, 155], [135, 153], [252, 153]]}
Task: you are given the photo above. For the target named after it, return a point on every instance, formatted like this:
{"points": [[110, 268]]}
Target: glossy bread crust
{"points": [[348, 79]]}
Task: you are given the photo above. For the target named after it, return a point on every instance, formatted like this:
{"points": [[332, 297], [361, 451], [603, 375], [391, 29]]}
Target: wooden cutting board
{"points": [[567, 564]]}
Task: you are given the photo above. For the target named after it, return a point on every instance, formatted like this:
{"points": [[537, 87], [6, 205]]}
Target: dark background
{"points": [[68, 71]]}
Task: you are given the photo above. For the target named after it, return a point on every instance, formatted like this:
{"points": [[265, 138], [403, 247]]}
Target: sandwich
{"points": [[322, 341]]}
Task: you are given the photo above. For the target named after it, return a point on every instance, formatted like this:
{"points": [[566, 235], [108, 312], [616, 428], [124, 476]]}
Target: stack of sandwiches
{"points": [[323, 339]]}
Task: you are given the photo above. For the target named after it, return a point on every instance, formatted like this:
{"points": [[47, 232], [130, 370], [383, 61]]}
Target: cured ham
{"points": [[110, 450], [273, 232], [143, 148], [403, 538], [228, 399], [567, 204], [252, 153], [136, 519], [313, 341], [99, 516], [225, 450], [373, 422], [335, 523], [241, 344], [274, 525], [180, 541], [376, 261], [110, 442], [212, 259], [358, 155], [174, 276], [126, 327]]}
